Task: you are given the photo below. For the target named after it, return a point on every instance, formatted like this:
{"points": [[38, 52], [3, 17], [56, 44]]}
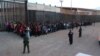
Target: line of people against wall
{"points": [[38, 29]]}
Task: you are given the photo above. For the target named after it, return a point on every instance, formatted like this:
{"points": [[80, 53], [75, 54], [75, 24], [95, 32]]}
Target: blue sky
{"points": [[90, 4]]}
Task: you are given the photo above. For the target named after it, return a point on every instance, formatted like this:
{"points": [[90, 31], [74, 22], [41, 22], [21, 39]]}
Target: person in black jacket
{"points": [[80, 31], [70, 35]]}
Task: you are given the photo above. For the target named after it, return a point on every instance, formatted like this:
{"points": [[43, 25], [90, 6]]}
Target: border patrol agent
{"points": [[70, 35], [80, 31], [26, 40]]}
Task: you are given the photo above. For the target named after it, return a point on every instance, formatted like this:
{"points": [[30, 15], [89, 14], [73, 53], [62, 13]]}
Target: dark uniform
{"points": [[26, 44], [70, 35], [80, 32], [26, 41]]}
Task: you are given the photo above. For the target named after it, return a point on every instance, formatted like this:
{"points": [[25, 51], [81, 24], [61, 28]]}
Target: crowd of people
{"points": [[18, 28], [38, 29]]}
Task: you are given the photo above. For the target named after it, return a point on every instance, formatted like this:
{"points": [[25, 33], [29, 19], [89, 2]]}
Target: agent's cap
{"points": [[27, 28]]}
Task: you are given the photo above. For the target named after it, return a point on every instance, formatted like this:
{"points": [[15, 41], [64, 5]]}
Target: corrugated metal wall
{"points": [[44, 16], [11, 12]]}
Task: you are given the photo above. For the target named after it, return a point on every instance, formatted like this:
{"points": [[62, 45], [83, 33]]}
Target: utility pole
{"points": [[71, 6], [71, 10], [61, 1]]}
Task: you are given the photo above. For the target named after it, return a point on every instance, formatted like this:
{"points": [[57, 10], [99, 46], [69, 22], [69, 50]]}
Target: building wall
{"points": [[85, 12], [68, 11], [72, 11], [45, 13], [42, 7], [79, 11]]}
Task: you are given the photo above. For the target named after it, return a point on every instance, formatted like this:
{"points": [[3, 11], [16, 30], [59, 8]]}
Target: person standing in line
{"points": [[80, 31], [26, 40], [70, 35]]}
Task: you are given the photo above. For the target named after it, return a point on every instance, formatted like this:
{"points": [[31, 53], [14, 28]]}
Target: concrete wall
{"points": [[13, 0], [42, 7]]}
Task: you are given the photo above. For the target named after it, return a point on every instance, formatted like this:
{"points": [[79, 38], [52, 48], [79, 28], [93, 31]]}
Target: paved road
{"points": [[53, 44]]}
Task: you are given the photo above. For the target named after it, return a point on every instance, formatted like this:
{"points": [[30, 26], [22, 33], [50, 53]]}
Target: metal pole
{"points": [[4, 12], [71, 4], [3, 18], [26, 11], [54, 15], [36, 12], [44, 11], [14, 11], [61, 3]]}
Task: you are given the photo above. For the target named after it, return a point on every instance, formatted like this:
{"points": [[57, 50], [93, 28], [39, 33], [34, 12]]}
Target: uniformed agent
{"points": [[80, 31], [70, 35], [26, 40]]}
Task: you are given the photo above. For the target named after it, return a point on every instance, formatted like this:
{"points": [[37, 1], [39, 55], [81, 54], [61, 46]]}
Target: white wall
{"points": [[42, 7], [15, 0]]}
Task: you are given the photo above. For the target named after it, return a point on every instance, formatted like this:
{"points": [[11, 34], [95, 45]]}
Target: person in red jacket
{"points": [[22, 29], [37, 29]]}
